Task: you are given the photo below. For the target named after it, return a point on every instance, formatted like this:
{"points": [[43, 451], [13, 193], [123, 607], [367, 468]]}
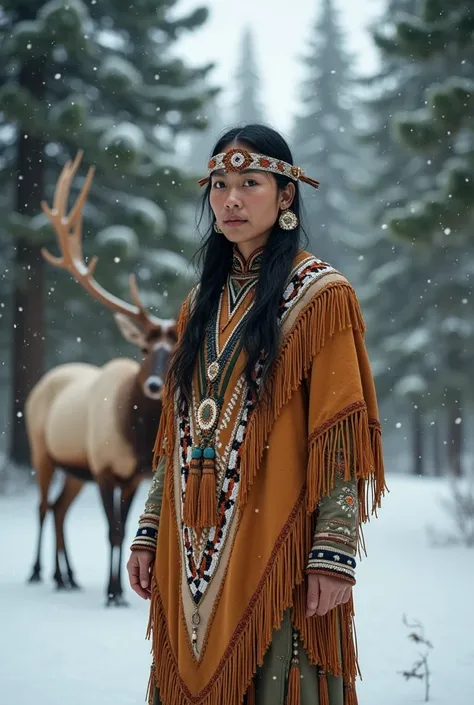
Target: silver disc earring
{"points": [[288, 220], [217, 228]]}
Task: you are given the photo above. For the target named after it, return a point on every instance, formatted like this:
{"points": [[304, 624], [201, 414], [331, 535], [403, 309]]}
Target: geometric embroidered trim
{"points": [[326, 553]]}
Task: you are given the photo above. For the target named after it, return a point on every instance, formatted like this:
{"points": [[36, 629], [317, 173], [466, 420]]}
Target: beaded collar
{"points": [[245, 268]]}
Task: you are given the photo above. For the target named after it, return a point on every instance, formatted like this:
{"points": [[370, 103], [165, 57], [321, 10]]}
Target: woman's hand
{"points": [[139, 572], [326, 592]]}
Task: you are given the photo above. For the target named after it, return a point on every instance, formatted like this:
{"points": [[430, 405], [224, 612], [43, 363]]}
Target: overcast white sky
{"points": [[281, 29]]}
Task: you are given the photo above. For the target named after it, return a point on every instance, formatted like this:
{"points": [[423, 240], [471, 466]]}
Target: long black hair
{"points": [[261, 332]]}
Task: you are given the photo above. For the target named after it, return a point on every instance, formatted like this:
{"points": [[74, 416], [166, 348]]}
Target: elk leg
{"points": [[44, 468], [126, 498], [72, 487], [107, 487]]}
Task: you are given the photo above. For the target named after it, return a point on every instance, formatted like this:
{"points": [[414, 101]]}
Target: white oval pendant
{"points": [[207, 414]]}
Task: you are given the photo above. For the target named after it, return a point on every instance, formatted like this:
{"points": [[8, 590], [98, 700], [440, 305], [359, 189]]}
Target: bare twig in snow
{"points": [[420, 668]]}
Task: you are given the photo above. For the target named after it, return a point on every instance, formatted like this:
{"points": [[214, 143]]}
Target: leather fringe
{"points": [[360, 443], [308, 180], [250, 697], [379, 487], [323, 689], [333, 308], [164, 435], [330, 641], [320, 636], [191, 499], [150, 691], [350, 695], [164, 441], [293, 696], [253, 635], [207, 506]]}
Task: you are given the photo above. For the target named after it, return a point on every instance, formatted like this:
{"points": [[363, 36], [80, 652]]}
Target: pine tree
{"points": [[248, 108], [391, 277], [413, 292], [100, 77], [441, 35], [324, 139]]}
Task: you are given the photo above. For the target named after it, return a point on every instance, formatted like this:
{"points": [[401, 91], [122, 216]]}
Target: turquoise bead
{"points": [[197, 452], [209, 453]]}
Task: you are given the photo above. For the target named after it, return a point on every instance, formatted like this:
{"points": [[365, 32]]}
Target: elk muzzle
{"points": [[153, 386]]}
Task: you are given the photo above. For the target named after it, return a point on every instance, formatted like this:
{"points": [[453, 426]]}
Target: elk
{"points": [[96, 423]]}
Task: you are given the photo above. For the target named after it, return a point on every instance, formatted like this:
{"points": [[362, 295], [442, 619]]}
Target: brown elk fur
{"points": [[77, 415]]}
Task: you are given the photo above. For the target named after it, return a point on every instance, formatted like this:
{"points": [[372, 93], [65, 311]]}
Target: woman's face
{"points": [[247, 204]]}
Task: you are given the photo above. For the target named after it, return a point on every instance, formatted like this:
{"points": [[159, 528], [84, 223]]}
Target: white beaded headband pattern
{"points": [[240, 160]]}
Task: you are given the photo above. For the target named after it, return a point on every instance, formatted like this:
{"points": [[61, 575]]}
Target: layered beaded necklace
{"points": [[214, 370], [215, 366]]}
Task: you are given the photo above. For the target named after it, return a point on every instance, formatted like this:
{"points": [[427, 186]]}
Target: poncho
{"points": [[237, 519]]}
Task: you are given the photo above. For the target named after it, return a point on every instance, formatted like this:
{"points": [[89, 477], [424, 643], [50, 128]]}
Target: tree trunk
{"points": [[454, 409], [28, 283], [437, 457], [418, 463]]}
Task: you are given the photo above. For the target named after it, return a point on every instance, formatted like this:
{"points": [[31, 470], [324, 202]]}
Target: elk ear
{"points": [[130, 331]]}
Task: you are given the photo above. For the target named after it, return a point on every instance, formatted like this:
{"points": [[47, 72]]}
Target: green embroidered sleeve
{"points": [[335, 537], [147, 533]]}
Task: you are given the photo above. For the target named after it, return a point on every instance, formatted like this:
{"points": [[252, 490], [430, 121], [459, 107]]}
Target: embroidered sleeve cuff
{"points": [[147, 533], [326, 561]]}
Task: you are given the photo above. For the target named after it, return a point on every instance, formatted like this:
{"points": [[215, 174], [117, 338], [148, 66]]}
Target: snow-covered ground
{"points": [[58, 648]]}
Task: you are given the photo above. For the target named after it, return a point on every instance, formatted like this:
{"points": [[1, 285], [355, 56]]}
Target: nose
{"points": [[153, 386], [233, 199]]}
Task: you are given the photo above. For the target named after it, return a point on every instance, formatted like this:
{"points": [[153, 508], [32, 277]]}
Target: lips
{"points": [[235, 220]]}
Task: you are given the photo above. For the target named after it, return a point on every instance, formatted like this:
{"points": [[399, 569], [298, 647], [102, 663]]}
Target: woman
{"points": [[267, 453]]}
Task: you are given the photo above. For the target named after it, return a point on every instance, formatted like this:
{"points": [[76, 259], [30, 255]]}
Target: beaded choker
{"points": [[244, 268]]}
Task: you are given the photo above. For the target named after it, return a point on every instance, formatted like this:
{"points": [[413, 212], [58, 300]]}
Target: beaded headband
{"points": [[240, 159]]}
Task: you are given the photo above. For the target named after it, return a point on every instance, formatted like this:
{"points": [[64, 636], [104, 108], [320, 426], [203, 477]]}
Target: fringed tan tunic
{"points": [[238, 531]]}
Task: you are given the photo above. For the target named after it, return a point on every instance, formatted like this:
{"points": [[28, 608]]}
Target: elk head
{"points": [[157, 344], [156, 337]]}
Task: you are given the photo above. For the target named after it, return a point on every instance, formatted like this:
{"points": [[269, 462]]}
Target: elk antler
{"points": [[70, 245]]}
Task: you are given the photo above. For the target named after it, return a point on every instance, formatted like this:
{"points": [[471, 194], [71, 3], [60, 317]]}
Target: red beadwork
{"points": [[247, 160]]}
